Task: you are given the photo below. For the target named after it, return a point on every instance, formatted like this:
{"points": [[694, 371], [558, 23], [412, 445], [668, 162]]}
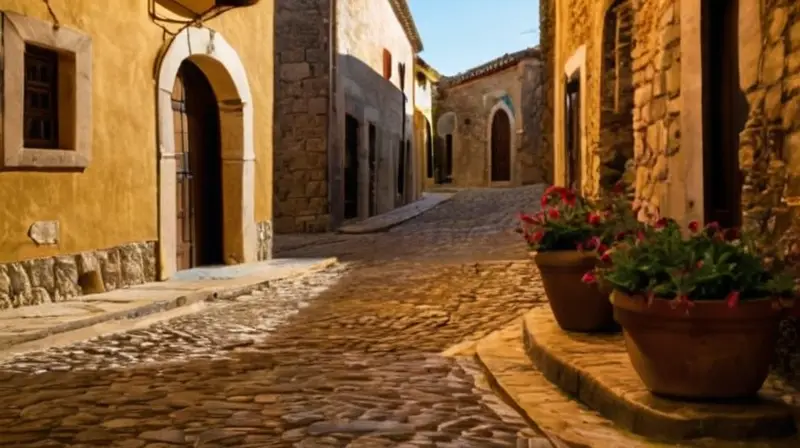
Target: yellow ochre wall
{"points": [[114, 201]]}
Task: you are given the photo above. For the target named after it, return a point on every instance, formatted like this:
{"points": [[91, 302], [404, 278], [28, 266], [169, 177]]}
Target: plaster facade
{"points": [[111, 217], [466, 105], [425, 85], [676, 163], [316, 190]]}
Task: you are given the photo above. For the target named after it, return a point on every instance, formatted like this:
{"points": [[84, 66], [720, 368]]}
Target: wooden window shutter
{"points": [[387, 64]]}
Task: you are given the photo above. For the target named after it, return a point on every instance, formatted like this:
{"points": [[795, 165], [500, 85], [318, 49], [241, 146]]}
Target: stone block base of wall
{"points": [[56, 279], [264, 243]]}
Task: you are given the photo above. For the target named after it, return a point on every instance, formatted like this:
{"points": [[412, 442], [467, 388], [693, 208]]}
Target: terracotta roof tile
{"points": [[495, 65], [403, 14]]}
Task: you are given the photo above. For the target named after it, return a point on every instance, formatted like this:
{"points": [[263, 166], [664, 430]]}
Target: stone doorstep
{"points": [[596, 369], [26, 324], [566, 422], [385, 221]]}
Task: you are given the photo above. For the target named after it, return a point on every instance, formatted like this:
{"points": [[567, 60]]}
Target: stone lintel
{"points": [[596, 370]]}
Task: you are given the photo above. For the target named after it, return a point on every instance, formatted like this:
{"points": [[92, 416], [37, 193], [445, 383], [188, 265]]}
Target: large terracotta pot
{"points": [[713, 352], [577, 306]]}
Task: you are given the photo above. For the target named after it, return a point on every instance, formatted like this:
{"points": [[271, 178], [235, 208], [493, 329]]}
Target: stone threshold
{"points": [[566, 421], [41, 326], [386, 221], [597, 371]]}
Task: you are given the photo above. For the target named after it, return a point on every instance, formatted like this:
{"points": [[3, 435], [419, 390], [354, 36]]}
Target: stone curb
{"points": [[649, 416], [484, 350], [393, 218], [186, 300]]}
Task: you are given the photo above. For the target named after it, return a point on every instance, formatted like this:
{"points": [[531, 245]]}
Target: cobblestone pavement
{"points": [[348, 357]]}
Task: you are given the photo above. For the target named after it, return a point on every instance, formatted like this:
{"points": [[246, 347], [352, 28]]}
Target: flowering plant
{"points": [[711, 263], [568, 221]]}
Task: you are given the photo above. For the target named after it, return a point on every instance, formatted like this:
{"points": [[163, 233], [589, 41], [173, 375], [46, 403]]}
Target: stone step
{"points": [[566, 421], [597, 371]]}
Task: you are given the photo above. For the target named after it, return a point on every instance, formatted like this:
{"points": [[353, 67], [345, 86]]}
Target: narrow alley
{"points": [[349, 356]]}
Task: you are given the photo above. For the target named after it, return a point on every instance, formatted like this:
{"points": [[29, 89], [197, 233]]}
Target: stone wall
{"points": [[534, 160], [365, 29], [657, 83], [302, 67], [547, 16], [471, 102], [56, 279]]}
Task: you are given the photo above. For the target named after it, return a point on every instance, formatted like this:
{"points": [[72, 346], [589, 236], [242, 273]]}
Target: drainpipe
{"points": [[333, 174], [401, 70]]}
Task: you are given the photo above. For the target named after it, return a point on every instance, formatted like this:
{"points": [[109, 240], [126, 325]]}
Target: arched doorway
{"points": [[500, 141], [616, 96], [216, 72], [198, 173]]}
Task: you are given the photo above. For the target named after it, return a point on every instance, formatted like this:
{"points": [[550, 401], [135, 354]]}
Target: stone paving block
{"points": [[25, 324], [596, 370]]}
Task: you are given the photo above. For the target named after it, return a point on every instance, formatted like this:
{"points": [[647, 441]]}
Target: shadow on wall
{"points": [[372, 165]]}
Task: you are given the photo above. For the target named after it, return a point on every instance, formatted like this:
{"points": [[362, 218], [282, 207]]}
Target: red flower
{"points": [[661, 223], [602, 248], [589, 277], [606, 257], [527, 219], [733, 299], [568, 197], [621, 236], [694, 226], [640, 236], [593, 219], [712, 227], [553, 213], [537, 236], [593, 243], [545, 200], [551, 189]]}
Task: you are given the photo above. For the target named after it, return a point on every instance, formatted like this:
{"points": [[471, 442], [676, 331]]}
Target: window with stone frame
{"points": [[387, 64], [47, 101], [40, 107]]}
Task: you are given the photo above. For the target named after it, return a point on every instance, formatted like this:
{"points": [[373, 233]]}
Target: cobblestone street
{"points": [[346, 357]]}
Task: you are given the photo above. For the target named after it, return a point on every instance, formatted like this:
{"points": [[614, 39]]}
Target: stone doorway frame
{"points": [[512, 144], [225, 72], [574, 67]]}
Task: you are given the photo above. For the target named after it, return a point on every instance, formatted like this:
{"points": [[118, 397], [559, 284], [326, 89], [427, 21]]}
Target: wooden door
{"points": [[724, 113], [351, 168], [501, 147], [198, 172], [184, 180], [572, 133]]}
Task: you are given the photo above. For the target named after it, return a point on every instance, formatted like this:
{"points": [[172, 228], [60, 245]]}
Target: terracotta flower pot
{"points": [[713, 352], [577, 306]]}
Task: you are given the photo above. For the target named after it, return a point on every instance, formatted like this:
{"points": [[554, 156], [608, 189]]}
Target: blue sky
{"points": [[460, 34]]}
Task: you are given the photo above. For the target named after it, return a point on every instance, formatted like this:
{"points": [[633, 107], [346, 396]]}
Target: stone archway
{"points": [[500, 144], [616, 138], [224, 70]]}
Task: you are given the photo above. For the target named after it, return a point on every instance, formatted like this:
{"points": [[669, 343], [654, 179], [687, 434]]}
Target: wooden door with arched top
{"points": [[501, 147]]}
